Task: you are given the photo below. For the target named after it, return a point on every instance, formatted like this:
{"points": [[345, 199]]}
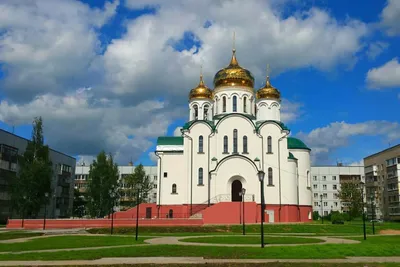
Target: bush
{"points": [[315, 216]]}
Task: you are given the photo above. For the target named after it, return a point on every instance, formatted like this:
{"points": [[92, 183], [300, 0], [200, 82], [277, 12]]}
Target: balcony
{"points": [[371, 169]]}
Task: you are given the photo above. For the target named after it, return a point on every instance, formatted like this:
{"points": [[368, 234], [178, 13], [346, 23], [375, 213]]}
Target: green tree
{"points": [[350, 193], [132, 182], [34, 175], [103, 178], [79, 204]]}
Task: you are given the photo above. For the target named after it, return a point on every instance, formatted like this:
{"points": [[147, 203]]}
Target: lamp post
{"points": [[242, 193], [23, 211], [261, 176], [363, 214], [112, 195], [137, 211], [322, 209], [372, 212], [46, 195]]}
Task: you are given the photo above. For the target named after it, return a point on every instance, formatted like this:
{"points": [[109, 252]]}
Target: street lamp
{"points": [[23, 210], [322, 209], [46, 195], [261, 176], [137, 210], [242, 193], [372, 211], [112, 195]]}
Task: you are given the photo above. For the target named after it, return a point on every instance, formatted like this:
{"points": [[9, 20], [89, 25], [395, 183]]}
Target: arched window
{"points": [[205, 113], [200, 182], [245, 104], [234, 103], [200, 144], [224, 104], [235, 141], [174, 189], [225, 144], [270, 178], [217, 101], [269, 144], [196, 112], [308, 179], [245, 144]]}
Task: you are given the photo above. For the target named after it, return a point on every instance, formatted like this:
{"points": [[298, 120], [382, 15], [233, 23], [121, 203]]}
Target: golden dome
{"points": [[268, 91], [201, 91], [234, 75]]}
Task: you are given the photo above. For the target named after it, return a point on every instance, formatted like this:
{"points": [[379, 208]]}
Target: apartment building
{"points": [[82, 175], [326, 182], [382, 172], [61, 199]]}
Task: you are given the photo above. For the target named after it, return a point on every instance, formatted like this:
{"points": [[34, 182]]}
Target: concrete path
{"points": [[193, 260], [174, 240]]}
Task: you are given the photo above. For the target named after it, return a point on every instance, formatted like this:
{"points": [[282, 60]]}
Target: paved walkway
{"points": [[175, 240], [193, 260]]}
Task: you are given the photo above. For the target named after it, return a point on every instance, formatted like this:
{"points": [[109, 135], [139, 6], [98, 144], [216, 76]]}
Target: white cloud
{"points": [[384, 76], [357, 163], [177, 131], [390, 17], [326, 139], [375, 49], [153, 157], [290, 110]]}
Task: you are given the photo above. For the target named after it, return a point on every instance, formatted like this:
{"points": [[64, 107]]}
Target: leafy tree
{"points": [[33, 179], [350, 193], [103, 177], [132, 182], [79, 204], [315, 215]]}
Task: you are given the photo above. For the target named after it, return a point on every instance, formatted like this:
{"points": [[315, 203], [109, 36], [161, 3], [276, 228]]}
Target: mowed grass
{"points": [[379, 246], [72, 241], [17, 234], [251, 240], [354, 228]]}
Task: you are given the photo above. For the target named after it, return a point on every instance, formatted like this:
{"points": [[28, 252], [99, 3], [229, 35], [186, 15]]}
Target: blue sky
{"points": [[114, 75]]}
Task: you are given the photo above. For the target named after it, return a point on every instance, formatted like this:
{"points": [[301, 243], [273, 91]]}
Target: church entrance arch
{"points": [[236, 189]]}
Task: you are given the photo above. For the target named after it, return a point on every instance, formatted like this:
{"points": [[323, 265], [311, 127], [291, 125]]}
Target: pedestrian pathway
{"points": [[193, 260]]}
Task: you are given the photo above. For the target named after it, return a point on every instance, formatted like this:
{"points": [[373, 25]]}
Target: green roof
{"points": [[294, 143], [188, 124], [170, 141], [291, 156], [283, 126], [220, 116]]}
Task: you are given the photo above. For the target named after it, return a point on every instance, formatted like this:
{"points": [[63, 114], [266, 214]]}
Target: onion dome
{"points": [[268, 91], [234, 75], [201, 91]]}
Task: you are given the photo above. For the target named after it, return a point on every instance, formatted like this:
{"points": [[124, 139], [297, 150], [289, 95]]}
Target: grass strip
{"points": [[251, 240], [17, 234]]}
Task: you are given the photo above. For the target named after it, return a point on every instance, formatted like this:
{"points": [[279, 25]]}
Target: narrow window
{"points": [[224, 104], [269, 142], [174, 189], [235, 141], [234, 104], [196, 112], [200, 144], [270, 178], [245, 144], [205, 115], [200, 176], [245, 104], [225, 144], [165, 175]]}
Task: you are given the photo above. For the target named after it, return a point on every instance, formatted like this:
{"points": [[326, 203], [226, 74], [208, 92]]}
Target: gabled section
{"points": [[169, 143]]}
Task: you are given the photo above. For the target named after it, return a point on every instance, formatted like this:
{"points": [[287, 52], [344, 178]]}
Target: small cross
{"points": [[268, 70], [234, 35]]}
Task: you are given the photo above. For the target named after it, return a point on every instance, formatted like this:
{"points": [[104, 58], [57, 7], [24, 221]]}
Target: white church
{"points": [[233, 136]]}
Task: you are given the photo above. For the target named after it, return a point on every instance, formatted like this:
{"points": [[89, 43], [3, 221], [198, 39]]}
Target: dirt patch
{"points": [[389, 232]]}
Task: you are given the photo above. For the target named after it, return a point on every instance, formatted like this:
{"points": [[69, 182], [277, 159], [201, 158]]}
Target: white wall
{"points": [[268, 109]]}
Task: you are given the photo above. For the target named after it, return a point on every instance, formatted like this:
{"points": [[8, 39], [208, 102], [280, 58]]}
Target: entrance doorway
{"points": [[236, 189], [148, 213]]}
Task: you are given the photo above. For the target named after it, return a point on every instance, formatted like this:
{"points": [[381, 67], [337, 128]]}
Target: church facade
{"points": [[234, 132]]}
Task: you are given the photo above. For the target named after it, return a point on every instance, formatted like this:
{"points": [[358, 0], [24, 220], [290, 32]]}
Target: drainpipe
{"points": [[279, 172], [262, 166], [191, 171], [298, 192], [159, 185], [209, 171]]}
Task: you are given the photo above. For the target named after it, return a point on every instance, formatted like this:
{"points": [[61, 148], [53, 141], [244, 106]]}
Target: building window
{"points": [[155, 186], [196, 112], [200, 182], [155, 177], [245, 144], [225, 144], [325, 204], [334, 187], [308, 179], [154, 195], [174, 189], [316, 204], [325, 213], [205, 112], [323, 178], [315, 186], [269, 144], [200, 144], [315, 195], [314, 178], [224, 104], [325, 195], [333, 178], [234, 103], [235, 141], [245, 104], [165, 175], [270, 178], [324, 186], [335, 204]]}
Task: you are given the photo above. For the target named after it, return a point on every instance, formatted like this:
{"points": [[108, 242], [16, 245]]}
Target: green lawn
{"points": [[383, 246], [72, 241], [17, 234], [251, 240], [270, 264], [353, 228]]}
